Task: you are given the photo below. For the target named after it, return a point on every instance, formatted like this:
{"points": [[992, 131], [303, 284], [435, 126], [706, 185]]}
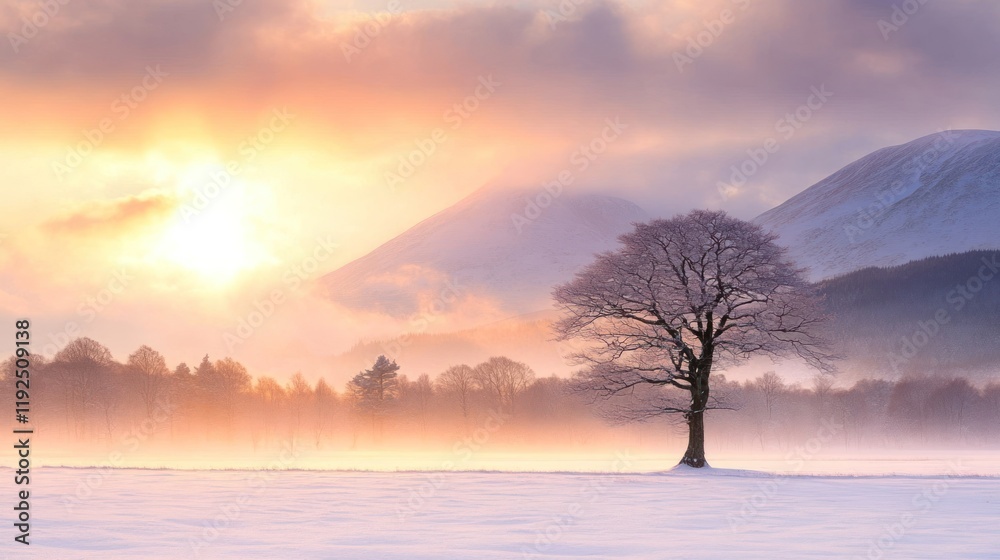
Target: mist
{"points": [[217, 416]]}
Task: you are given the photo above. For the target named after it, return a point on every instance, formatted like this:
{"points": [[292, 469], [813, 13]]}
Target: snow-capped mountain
{"points": [[507, 246], [936, 195]]}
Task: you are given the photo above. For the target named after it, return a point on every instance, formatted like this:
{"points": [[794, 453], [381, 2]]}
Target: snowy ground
{"points": [[92, 513]]}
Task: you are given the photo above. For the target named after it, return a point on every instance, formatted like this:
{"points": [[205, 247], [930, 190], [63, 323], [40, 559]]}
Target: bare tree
{"points": [[770, 387], [991, 402], [823, 389], [182, 391], [949, 406], [504, 378], [82, 366], [679, 298], [229, 382], [149, 373], [270, 395], [422, 391], [107, 401], [299, 397], [459, 381], [324, 402]]}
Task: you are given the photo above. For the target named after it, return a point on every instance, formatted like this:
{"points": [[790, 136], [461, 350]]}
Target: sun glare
{"points": [[213, 239]]}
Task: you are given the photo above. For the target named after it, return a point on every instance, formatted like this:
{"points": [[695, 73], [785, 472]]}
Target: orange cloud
{"points": [[114, 217]]}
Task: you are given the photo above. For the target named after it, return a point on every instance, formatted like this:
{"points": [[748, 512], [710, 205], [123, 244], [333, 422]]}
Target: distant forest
{"points": [[84, 395], [939, 315]]}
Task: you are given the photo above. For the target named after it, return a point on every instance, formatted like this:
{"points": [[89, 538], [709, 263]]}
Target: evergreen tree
{"points": [[374, 390]]}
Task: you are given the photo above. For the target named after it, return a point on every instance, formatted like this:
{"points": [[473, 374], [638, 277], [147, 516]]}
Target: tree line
{"points": [[84, 395]]}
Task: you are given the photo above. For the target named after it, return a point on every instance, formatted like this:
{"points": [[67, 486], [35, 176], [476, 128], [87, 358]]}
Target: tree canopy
{"points": [[679, 298]]}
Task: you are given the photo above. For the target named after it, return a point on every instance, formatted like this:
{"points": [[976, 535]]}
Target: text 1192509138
{"points": [[22, 431]]}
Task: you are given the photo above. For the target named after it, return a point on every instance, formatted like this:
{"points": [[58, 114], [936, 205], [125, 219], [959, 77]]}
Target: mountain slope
{"points": [[935, 315], [936, 195], [485, 246]]}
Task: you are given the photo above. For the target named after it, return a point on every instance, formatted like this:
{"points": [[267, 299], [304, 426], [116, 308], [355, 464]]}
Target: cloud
{"points": [[751, 64], [605, 59], [116, 217]]}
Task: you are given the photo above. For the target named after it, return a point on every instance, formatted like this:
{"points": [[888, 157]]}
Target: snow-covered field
{"points": [[93, 513]]}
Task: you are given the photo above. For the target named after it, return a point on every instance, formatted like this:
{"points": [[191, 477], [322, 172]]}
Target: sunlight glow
{"points": [[213, 237]]}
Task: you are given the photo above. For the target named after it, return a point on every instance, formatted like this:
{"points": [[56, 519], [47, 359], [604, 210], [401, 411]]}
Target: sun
{"points": [[213, 238]]}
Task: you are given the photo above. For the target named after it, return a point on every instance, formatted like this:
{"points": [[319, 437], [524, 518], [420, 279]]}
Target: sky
{"points": [[173, 167]]}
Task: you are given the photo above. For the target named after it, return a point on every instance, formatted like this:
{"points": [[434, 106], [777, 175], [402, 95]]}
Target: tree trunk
{"points": [[695, 454]]}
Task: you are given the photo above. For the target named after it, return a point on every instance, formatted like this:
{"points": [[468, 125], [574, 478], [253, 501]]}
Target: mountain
{"points": [[505, 246], [936, 195]]}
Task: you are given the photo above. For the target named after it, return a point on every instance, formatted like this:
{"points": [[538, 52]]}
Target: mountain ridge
{"points": [[508, 247], [877, 210]]}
